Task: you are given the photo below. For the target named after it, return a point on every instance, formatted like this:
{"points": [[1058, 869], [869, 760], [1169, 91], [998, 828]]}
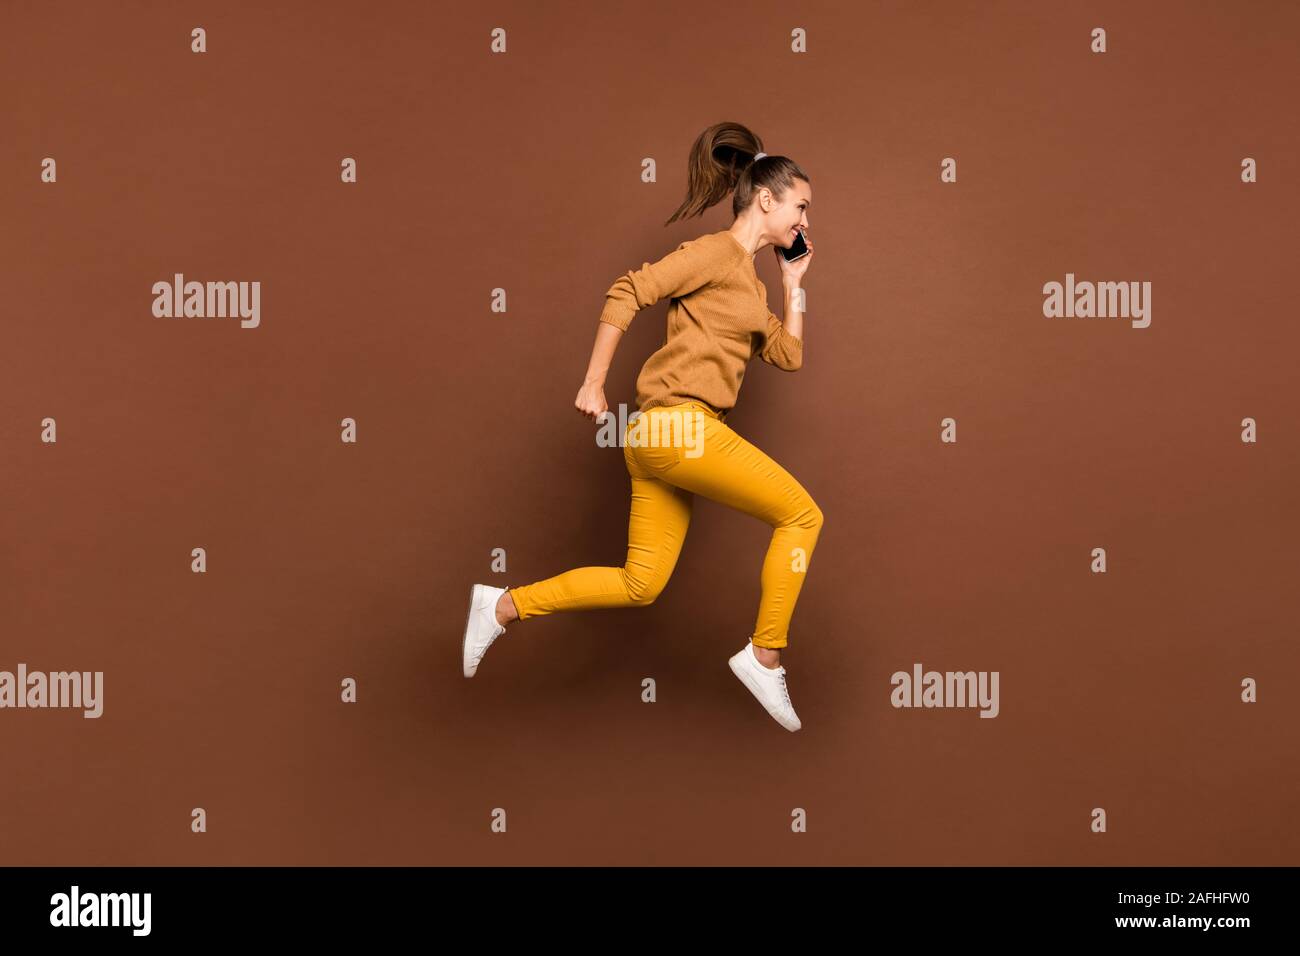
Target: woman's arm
{"points": [[784, 345], [793, 317], [591, 396], [692, 265]]}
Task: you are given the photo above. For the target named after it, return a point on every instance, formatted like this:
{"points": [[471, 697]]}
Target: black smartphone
{"points": [[798, 249]]}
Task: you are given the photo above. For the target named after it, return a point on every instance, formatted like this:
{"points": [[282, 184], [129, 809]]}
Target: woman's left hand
{"points": [[794, 270]]}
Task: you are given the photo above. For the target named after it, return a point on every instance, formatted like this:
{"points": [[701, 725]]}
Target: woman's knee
{"points": [[643, 590], [809, 516]]}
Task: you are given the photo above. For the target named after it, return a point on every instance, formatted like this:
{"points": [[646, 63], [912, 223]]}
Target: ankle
{"points": [[505, 610]]}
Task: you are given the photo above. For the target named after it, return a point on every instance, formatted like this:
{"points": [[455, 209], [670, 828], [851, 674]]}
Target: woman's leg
{"points": [[728, 469], [657, 526]]}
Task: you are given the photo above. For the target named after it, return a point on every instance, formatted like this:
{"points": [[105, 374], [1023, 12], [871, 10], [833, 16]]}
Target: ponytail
{"points": [[722, 160]]}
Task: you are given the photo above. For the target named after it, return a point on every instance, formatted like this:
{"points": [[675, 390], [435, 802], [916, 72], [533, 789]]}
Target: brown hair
{"points": [[722, 159]]}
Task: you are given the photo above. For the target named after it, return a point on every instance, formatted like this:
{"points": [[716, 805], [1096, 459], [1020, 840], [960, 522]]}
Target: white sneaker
{"points": [[767, 684], [481, 627]]}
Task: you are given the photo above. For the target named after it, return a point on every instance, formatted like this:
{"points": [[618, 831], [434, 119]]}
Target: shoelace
{"points": [[784, 691]]}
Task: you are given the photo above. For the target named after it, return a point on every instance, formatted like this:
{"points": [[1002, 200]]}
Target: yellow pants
{"points": [[673, 453]]}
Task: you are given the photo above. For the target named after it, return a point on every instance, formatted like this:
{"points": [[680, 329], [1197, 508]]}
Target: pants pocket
{"points": [[654, 442]]}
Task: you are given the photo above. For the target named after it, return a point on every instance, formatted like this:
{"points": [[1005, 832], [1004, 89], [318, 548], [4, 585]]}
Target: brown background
{"points": [[521, 170]]}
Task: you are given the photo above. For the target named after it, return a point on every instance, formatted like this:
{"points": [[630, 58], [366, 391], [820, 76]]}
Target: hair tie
{"points": [[758, 156]]}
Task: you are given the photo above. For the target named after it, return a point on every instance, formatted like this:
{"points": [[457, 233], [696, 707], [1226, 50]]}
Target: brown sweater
{"points": [[717, 321]]}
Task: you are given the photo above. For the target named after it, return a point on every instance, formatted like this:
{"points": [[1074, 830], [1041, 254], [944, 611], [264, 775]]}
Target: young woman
{"points": [[678, 444]]}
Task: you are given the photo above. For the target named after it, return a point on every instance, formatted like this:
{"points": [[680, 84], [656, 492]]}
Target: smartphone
{"points": [[798, 249]]}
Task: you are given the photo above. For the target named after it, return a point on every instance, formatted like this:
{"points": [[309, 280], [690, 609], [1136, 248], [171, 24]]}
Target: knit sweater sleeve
{"points": [[781, 348], [693, 265]]}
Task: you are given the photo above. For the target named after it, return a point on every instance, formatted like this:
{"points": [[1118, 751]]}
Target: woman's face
{"points": [[785, 218]]}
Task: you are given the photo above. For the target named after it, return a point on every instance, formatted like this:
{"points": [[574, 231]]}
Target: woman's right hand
{"points": [[591, 401]]}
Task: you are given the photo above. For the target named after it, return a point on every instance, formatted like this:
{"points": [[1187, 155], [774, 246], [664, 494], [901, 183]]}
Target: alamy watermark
{"points": [[1098, 300], [102, 909], [212, 300], [663, 426], [947, 689], [74, 689]]}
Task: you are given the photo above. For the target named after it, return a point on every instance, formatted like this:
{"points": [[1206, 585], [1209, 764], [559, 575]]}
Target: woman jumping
{"points": [[678, 444]]}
